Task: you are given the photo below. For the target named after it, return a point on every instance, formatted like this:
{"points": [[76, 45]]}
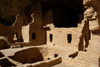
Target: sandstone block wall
{"points": [[14, 29], [24, 28], [36, 27], [60, 37], [28, 56]]}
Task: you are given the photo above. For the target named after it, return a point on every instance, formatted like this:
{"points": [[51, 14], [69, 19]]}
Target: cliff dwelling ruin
{"points": [[49, 33]]}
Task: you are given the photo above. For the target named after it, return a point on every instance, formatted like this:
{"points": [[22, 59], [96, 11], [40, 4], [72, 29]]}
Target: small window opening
{"points": [[69, 38], [15, 36], [24, 21], [48, 58], [55, 55], [51, 37], [33, 35]]}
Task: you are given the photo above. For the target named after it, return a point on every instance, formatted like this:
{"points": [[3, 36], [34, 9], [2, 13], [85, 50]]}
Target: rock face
{"points": [[28, 56], [92, 13]]}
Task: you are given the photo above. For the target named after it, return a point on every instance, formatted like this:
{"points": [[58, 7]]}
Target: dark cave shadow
{"points": [[11, 57], [1, 54], [5, 63]]}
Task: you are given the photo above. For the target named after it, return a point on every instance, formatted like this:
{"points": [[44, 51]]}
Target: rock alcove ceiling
{"points": [[67, 11]]}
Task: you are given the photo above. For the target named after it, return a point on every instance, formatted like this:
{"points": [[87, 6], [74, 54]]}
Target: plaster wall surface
{"points": [[25, 33]]}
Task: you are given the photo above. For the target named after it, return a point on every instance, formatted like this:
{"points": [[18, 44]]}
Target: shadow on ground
{"points": [[5, 63]]}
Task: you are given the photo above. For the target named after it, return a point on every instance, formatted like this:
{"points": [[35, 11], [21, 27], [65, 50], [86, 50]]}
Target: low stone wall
{"points": [[47, 63], [30, 55], [4, 42]]}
